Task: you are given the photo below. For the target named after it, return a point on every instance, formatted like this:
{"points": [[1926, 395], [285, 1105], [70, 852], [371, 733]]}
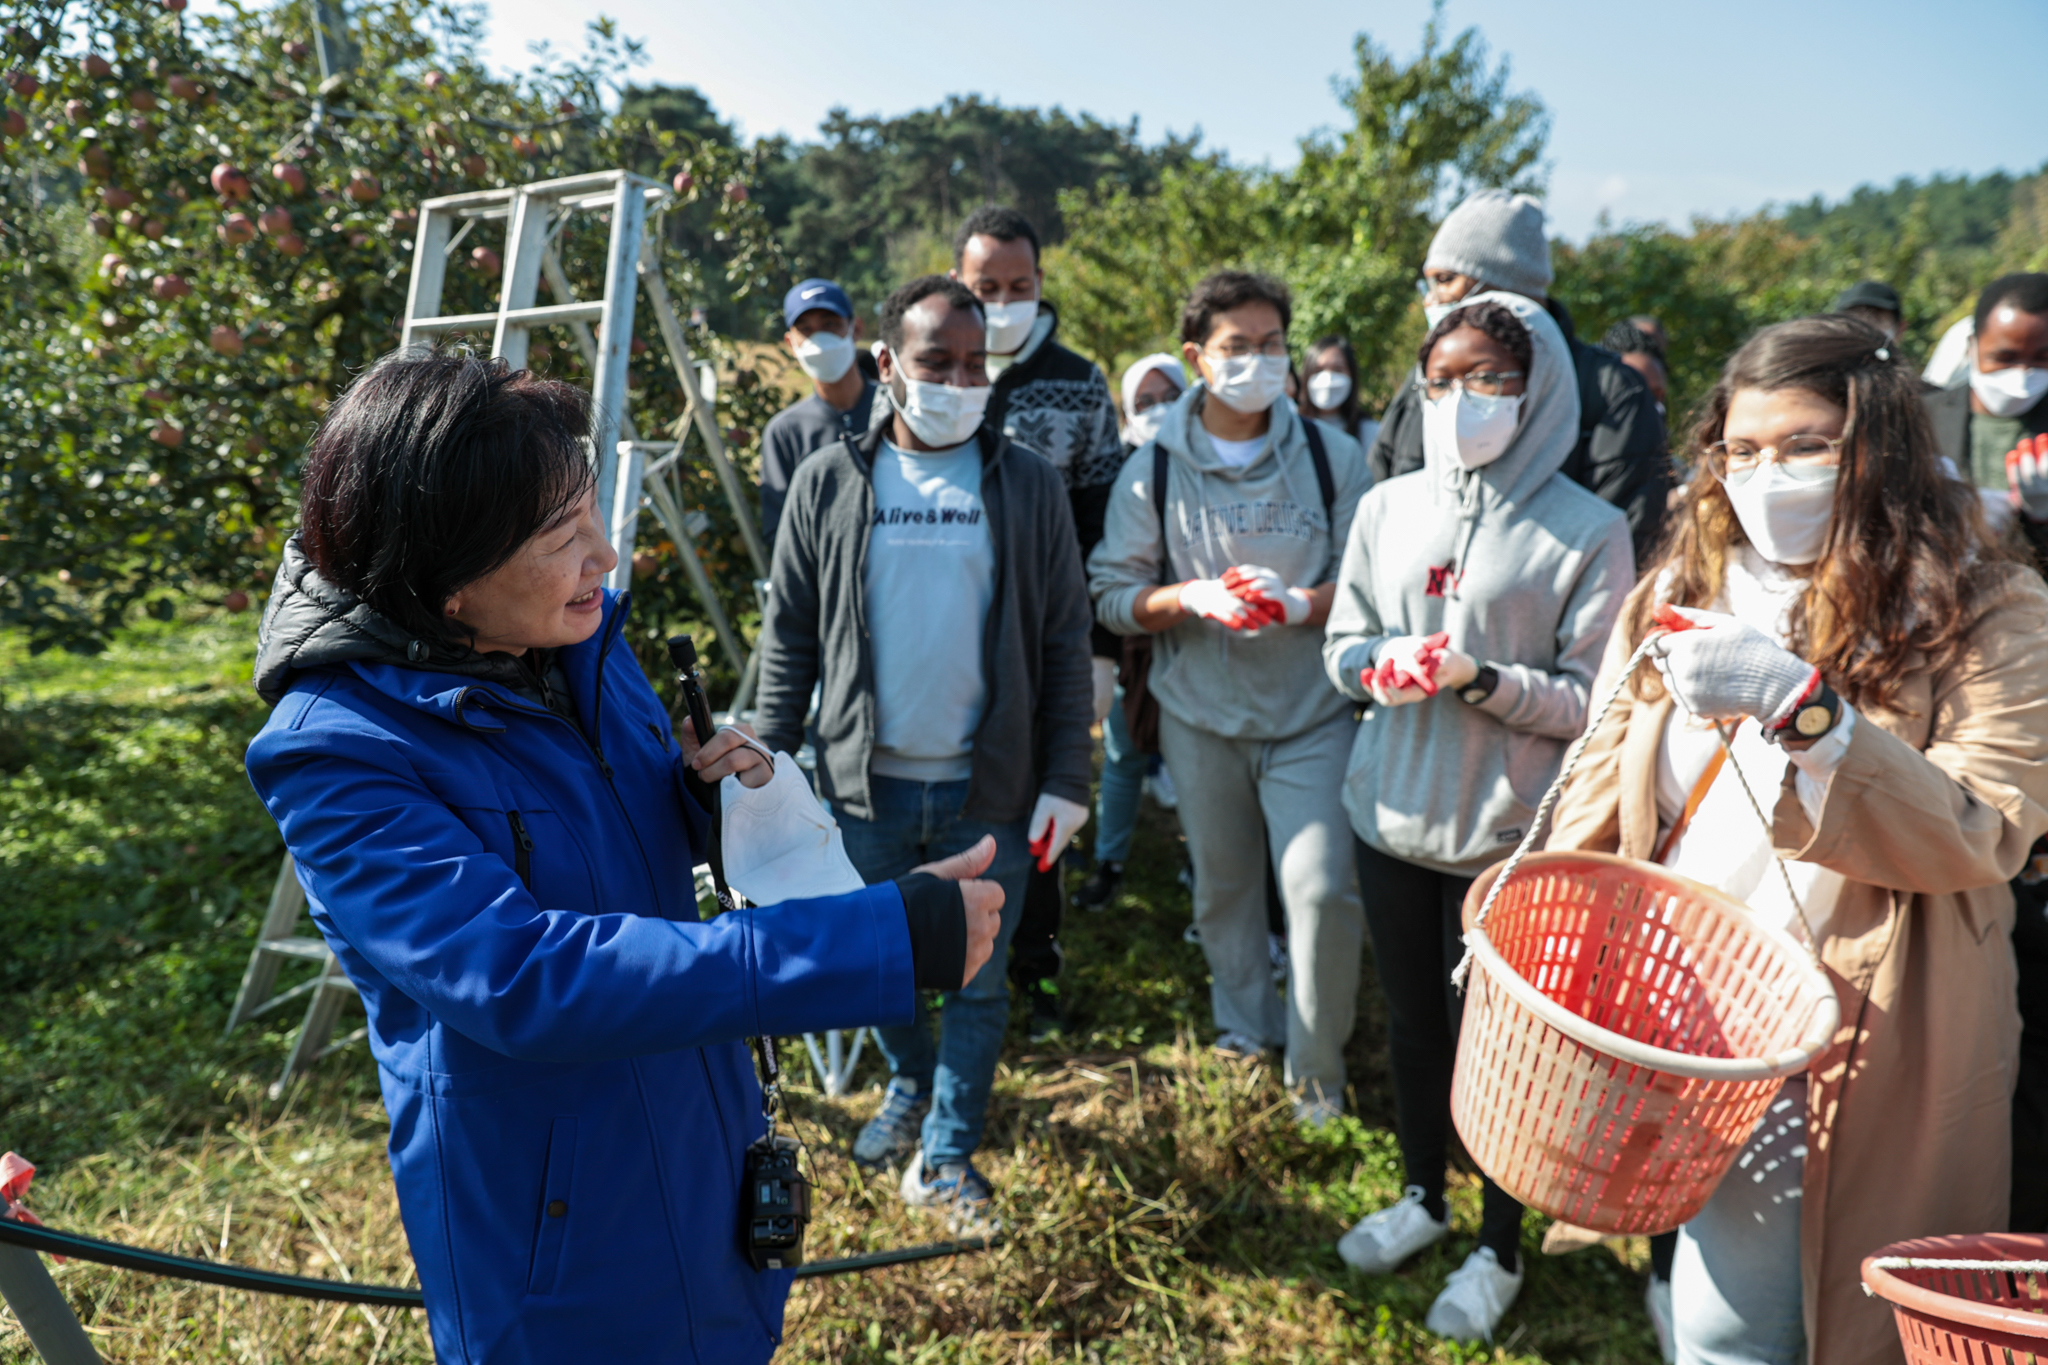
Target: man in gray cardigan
{"points": [[927, 580]]}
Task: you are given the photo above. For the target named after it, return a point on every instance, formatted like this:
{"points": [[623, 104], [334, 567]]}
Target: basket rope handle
{"points": [[1924, 1263], [1564, 775]]}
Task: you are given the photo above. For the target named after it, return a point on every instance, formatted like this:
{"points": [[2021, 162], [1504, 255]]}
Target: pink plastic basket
{"points": [[1966, 1300]]}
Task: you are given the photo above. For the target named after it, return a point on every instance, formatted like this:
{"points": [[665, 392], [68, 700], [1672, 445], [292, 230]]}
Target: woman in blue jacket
{"points": [[495, 827]]}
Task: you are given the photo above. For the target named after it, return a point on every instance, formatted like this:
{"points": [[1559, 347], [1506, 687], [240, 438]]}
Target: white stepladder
{"points": [[631, 473]]}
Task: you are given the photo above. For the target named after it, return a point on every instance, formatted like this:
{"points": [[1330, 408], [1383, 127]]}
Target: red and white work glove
{"points": [[1209, 599], [1413, 667], [1053, 822], [1268, 595], [2026, 474], [1722, 668]]}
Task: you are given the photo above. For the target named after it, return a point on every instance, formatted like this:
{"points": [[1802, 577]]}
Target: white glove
{"points": [[1105, 687], [1053, 822], [1407, 668], [1207, 597], [1268, 594], [1722, 668], [2026, 472]]}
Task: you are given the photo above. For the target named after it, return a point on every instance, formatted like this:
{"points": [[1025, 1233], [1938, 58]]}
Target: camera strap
{"points": [[771, 1080]]}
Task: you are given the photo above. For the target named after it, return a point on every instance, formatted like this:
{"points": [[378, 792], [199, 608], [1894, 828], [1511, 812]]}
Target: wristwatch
{"points": [[1481, 687], [1811, 718]]}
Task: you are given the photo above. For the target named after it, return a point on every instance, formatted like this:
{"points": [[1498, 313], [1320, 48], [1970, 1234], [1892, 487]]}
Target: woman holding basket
{"points": [[1830, 597]]}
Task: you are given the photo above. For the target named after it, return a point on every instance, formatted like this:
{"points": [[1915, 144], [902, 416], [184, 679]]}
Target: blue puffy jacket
{"points": [[558, 1038]]}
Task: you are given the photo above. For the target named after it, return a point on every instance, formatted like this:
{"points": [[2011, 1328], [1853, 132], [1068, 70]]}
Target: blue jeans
{"points": [[1123, 778], [920, 822], [1735, 1287]]}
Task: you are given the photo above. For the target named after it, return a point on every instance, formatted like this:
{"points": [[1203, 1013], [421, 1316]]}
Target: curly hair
{"points": [[1496, 320], [1909, 562]]}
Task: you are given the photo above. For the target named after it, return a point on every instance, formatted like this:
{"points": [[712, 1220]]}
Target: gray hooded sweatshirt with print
{"points": [[1526, 571], [1261, 686]]}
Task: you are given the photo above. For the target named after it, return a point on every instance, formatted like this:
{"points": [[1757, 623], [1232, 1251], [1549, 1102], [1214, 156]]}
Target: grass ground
{"points": [[1162, 1205]]}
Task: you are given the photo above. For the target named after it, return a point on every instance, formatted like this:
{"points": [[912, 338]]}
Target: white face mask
{"points": [[941, 414], [825, 356], [1248, 383], [1145, 425], [1009, 324], [2010, 391], [1433, 313], [1786, 516], [1470, 429], [1328, 388]]}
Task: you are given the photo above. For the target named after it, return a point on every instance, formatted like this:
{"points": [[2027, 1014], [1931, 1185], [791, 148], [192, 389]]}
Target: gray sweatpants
{"points": [[1231, 792]]}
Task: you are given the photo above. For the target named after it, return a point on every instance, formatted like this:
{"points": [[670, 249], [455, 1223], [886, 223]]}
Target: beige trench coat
{"points": [[1930, 815]]}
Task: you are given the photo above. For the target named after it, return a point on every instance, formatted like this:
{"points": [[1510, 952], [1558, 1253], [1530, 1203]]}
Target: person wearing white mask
{"points": [[1474, 600], [1057, 403], [823, 337], [1996, 426], [1495, 240], [1221, 543], [1330, 371], [1882, 666], [1987, 425], [1150, 387], [926, 582]]}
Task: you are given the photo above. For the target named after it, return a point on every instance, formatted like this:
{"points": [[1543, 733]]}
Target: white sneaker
{"points": [[1657, 1298], [1474, 1298], [1159, 786], [1239, 1047], [1383, 1240]]}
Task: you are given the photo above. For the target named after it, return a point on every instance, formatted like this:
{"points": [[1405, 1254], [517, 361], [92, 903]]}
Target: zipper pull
{"points": [[519, 832]]}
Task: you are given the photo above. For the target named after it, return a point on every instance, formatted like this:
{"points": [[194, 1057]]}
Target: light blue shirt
{"points": [[931, 579]]}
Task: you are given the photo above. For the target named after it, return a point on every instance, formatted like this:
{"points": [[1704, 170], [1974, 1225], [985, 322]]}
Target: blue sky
{"points": [[1660, 111]]}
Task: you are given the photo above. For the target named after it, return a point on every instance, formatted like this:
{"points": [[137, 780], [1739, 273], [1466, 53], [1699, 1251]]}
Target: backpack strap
{"points": [[1326, 483], [1159, 471]]}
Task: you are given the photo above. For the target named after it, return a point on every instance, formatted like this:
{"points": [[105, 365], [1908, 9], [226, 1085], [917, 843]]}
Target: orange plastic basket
{"points": [[1966, 1300], [1624, 1031]]}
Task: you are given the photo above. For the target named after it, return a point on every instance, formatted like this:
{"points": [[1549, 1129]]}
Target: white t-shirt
{"points": [[1725, 845], [1238, 454], [929, 583]]}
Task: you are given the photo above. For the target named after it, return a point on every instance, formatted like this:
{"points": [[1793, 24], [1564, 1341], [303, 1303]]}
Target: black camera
{"points": [[775, 1206]]}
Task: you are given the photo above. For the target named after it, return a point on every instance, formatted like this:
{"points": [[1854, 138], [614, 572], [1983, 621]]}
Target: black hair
{"points": [[997, 221], [2024, 290], [917, 291], [430, 471], [1496, 320], [1348, 411], [1228, 289], [1625, 337]]}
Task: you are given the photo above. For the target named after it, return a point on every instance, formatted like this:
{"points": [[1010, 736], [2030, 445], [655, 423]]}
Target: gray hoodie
{"points": [[1527, 571], [1270, 513]]}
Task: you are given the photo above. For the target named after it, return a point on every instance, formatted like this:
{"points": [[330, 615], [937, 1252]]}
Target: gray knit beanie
{"points": [[1497, 238]]}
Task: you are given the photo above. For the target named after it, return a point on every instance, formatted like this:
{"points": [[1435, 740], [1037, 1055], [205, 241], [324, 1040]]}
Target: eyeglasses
{"points": [[1802, 457], [1483, 383], [1146, 404], [1238, 350]]}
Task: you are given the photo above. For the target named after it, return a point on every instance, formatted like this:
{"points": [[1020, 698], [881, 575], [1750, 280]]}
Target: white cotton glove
{"points": [[1104, 681], [1721, 668], [1208, 598], [1053, 822], [2026, 472], [1268, 595]]}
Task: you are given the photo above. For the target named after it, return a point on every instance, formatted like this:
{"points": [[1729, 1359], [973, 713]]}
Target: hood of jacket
{"points": [[311, 623], [1548, 426], [1187, 440]]}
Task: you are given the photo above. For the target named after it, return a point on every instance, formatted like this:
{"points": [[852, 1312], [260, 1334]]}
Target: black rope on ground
{"points": [[121, 1256]]}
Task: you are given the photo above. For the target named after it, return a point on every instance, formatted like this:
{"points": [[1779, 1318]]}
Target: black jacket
{"points": [[1059, 404], [1033, 735], [1948, 412], [1622, 454]]}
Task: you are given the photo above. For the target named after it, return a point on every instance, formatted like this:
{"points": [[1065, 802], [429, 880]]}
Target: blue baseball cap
{"points": [[815, 294]]}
